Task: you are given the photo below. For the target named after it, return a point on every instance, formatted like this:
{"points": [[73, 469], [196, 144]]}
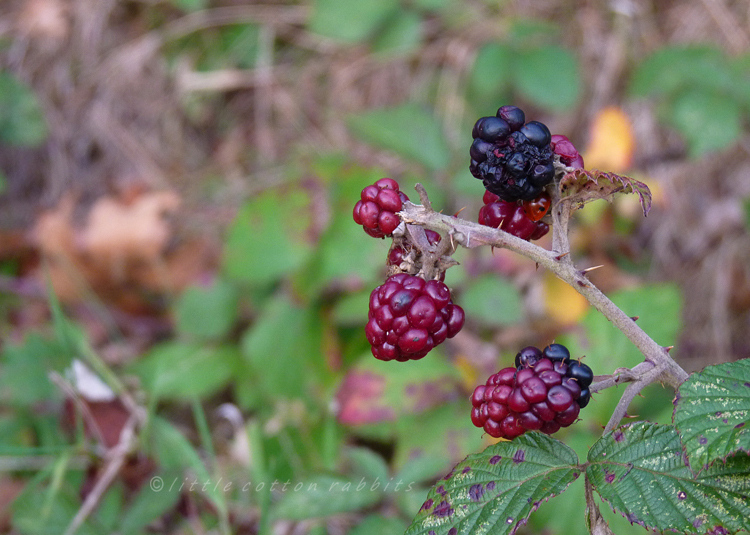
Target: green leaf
{"points": [[492, 301], [347, 21], [325, 495], [401, 34], [671, 69], [175, 370], [283, 349], [379, 525], [269, 237], [708, 120], [641, 471], [492, 71], [409, 130], [495, 491], [548, 76], [712, 412], [21, 117], [367, 463], [190, 5], [206, 313], [150, 503]]}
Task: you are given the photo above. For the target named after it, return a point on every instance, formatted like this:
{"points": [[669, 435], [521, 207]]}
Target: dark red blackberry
{"points": [[512, 159], [562, 146], [377, 207], [409, 316], [510, 217], [540, 394]]}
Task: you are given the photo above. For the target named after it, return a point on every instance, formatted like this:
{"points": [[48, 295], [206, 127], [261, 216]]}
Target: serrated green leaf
{"points": [[21, 117], [585, 185], [641, 471], [708, 120], [712, 412], [269, 237], [325, 495], [408, 130], [492, 301], [206, 312], [495, 491], [492, 70], [350, 21], [548, 76]]}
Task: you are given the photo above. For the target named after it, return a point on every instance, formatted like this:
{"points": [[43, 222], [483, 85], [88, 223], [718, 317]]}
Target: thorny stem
{"points": [[658, 365]]}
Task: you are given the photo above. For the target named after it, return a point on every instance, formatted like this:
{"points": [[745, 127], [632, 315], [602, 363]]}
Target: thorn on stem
{"points": [[461, 210], [631, 416], [561, 256], [582, 284], [668, 348], [586, 271], [634, 318]]}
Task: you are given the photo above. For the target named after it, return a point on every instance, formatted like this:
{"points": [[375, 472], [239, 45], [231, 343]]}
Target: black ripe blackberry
{"points": [[512, 159]]}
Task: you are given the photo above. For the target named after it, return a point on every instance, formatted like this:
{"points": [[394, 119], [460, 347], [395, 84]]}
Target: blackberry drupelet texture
{"points": [[377, 207], [513, 217]]}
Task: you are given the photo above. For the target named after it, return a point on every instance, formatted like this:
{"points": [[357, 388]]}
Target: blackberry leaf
{"points": [[583, 185]]}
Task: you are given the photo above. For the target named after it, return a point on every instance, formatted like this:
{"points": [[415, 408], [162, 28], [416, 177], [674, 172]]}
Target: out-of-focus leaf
{"points": [[350, 21], [21, 118], [712, 412], [641, 471], [492, 301], [365, 462], [492, 70], [325, 495], [149, 504], [561, 302], [612, 141], [207, 312], [352, 309], [283, 349], [495, 491], [408, 130], [269, 237], [548, 76], [379, 525], [190, 5], [373, 391], [33, 514], [401, 34], [583, 185], [709, 121], [175, 370]]}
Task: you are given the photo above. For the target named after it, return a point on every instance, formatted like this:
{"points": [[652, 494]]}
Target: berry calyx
{"points": [[377, 207], [539, 394], [409, 316]]}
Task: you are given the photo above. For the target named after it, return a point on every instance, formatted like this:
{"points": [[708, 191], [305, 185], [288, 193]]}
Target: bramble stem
{"points": [[658, 365]]}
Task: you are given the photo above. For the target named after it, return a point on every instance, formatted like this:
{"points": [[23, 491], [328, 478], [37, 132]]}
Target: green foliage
{"points": [[22, 120], [701, 92], [495, 491], [149, 504], [492, 301], [640, 470], [350, 22], [206, 312], [408, 130], [401, 34], [712, 411]]}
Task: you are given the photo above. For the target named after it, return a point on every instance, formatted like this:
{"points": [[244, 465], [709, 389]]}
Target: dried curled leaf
{"points": [[585, 185]]}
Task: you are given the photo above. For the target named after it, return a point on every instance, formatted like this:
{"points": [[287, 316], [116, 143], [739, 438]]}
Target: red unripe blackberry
{"points": [[540, 394], [562, 146], [377, 207], [510, 217], [409, 316]]}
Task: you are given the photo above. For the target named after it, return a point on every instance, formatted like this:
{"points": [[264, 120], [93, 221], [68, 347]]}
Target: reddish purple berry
{"points": [[377, 207]]}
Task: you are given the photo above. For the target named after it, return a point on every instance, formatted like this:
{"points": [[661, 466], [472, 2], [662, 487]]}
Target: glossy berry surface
{"points": [[510, 217], [539, 394], [377, 207], [409, 316], [569, 155], [512, 158], [537, 208]]}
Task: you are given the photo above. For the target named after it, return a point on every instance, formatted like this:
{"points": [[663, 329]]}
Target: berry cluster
{"points": [[409, 316], [568, 154], [376, 211], [544, 392], [522, 220], [512, 158]]}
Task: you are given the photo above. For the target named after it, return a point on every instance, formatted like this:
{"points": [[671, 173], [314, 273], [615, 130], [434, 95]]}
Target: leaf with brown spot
{"points": [[581, 186]]}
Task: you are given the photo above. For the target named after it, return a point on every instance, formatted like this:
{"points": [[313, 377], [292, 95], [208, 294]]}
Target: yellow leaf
{"points": [[611, 142], [561, 302], [467, 371]]}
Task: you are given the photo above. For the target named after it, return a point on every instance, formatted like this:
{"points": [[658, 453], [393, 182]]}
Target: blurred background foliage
{"points": [[178, 259]]}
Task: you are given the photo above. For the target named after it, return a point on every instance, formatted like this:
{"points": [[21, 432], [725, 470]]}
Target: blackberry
{"points": [[539, 394], [409, 316], [511, 217], [512, 159], [377, 207], [562, 146]]}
